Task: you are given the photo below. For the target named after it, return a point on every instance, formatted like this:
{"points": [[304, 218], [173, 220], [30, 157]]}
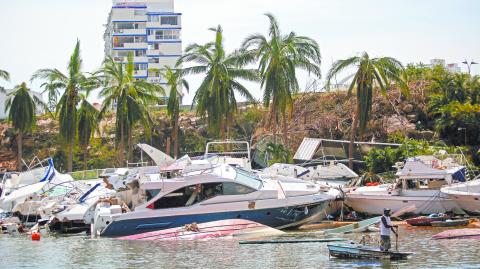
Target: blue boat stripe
{"points": [[84, 196], [47, 175]]}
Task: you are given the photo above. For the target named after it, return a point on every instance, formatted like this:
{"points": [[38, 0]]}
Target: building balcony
{"points": [[153, 52], [157, 24], [126, 46], [141, 59], [153, 38], [131, 32], [140, 73], [157, 80], [125, 17], [164, 61]]}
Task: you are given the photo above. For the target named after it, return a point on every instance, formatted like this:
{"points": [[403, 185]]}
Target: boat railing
{"points": [[213, 148], [88, 174]]}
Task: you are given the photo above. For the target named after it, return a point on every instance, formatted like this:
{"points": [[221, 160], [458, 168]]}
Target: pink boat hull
{"points": [[458, 234], [205, 230]]}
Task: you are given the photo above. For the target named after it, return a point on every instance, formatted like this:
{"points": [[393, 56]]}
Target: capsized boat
{"points": [[187, 191], [213, 229], [458, 234], [358, 251], [418, 183], [466, 195]]}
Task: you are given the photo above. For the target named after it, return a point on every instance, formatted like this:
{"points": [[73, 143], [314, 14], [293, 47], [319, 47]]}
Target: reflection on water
{"points": [[83, 252]]}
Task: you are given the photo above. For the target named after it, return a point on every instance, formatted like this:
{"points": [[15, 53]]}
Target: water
{"points": [[80, 251]]}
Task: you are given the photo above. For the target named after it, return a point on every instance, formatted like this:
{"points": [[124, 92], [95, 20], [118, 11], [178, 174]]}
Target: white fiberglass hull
{"points": [[466, 195], [374, 205]]}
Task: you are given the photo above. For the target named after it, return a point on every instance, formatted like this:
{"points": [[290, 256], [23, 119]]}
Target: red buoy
{"points": [[36, 236]]}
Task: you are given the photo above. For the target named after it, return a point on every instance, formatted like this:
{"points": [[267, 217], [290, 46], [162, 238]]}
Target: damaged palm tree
{"points": [[370, 72], [278, 58]]}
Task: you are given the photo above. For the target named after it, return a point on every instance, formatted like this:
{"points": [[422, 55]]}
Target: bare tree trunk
{"points": [[285, 128], [121, 146], [19, 151], [168, 146], [130, 145], [70, 157], [175, 138], [353, 131], [273, 124], [85, 155]]}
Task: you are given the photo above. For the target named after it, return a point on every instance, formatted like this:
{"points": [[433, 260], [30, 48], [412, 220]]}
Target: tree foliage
{"points": [[215, 98], [130, 97], [279, 56]]}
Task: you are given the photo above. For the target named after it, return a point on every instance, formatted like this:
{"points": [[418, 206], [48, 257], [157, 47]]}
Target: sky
{"points": [[42, 34]]}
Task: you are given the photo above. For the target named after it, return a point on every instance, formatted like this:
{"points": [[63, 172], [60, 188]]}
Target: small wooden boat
{"points": [[356, 251], [425, 221], [451, 223], [458, 234]]}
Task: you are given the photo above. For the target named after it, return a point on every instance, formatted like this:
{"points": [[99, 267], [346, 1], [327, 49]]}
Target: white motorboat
{"points": [[188, 191], [466, 195], [418, 183]]}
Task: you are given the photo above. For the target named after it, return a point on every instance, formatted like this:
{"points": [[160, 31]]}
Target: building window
{"points": [[140, 39], [166, 34], [141, 66], [170, 20], [140, 12], [140, 53], [153, 18], [153, 60]]}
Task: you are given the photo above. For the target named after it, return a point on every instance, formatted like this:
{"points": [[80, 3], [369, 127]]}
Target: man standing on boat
{"points": [[385, 228]]}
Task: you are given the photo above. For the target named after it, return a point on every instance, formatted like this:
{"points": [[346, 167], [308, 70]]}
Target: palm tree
{"points": [[175, 81], [87, 125], [370, 72], [21, 106], [278, 58], [52, 88], [5, 76], [215, 98], [73, 83], [131, 98]]}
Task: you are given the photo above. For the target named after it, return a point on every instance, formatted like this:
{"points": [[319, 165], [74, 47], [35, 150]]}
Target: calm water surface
{"points": [[82, 252]]}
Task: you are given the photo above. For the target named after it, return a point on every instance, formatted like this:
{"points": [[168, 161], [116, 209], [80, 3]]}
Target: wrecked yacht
{"points": [[187, 191], [418, 183]]}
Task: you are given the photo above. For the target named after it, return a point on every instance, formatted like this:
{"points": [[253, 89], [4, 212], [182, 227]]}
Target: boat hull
{"points": [[453, 223], [364, 252], [468, 203], [280, 218], [374, 204], [206, 230], [466, 195], [458, 234], [424, 221]]}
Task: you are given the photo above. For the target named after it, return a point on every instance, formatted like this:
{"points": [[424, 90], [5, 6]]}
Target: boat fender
{"points": [[35, 236]]}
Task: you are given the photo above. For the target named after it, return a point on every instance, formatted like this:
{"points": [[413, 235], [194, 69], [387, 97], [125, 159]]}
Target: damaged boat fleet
{"points": [[215, 190], [419, 182], [172, 194]]}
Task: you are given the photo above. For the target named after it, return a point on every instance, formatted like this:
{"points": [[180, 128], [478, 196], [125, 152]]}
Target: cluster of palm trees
{"points": [[271, 60]]}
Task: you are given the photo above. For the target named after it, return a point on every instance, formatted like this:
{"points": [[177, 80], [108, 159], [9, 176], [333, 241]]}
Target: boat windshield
{"points": [[248, 178]]}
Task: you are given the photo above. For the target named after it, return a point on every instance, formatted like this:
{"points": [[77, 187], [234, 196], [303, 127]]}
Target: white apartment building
{"points": [[151, 30]]}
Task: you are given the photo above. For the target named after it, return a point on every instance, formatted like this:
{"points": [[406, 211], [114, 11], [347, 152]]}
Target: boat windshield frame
{"points": [[248, 178]]}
